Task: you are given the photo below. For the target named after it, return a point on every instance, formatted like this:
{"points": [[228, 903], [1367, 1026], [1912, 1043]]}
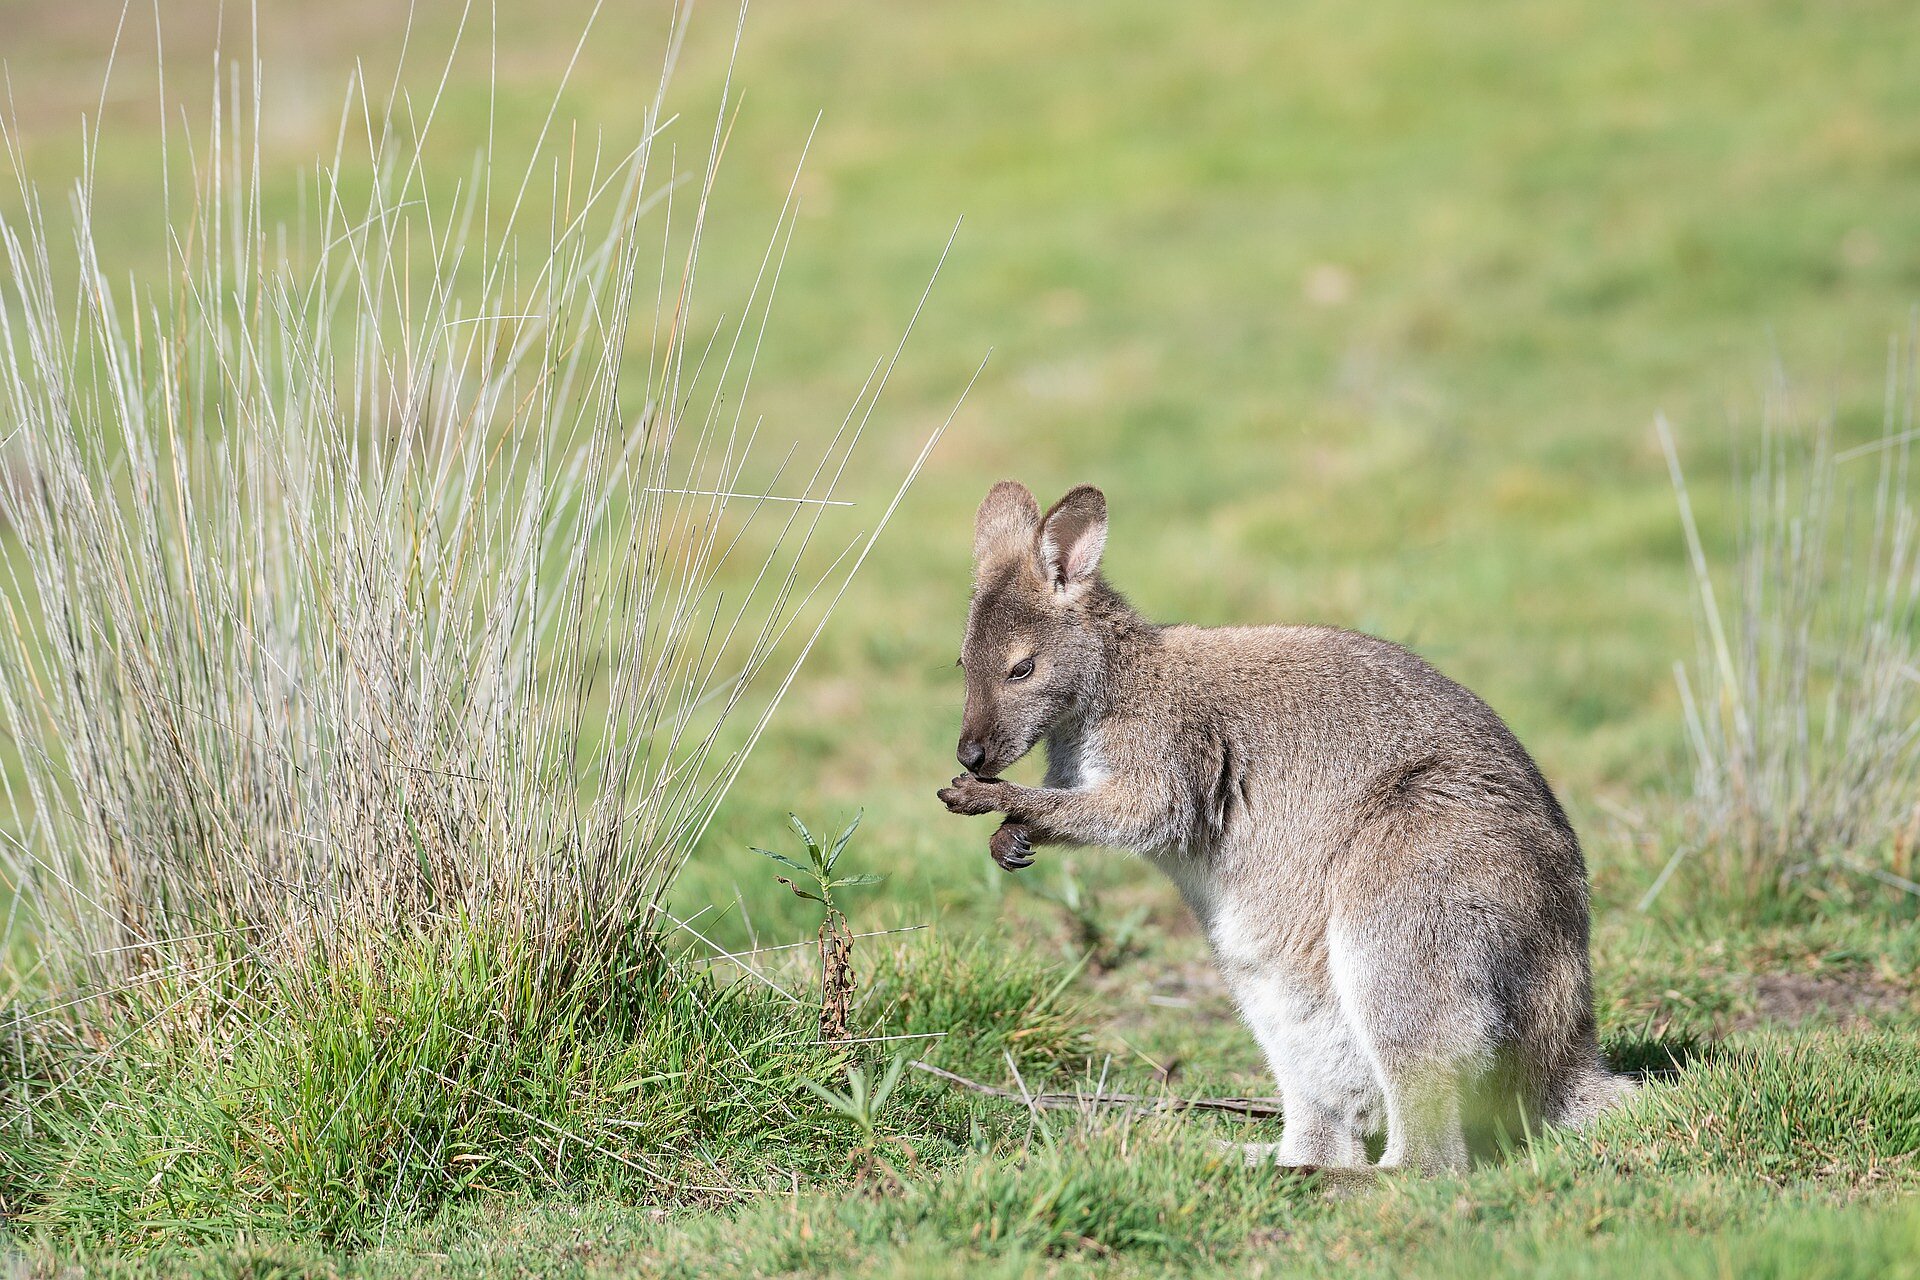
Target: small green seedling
{"points": [[817, 884], [862, 1104]]}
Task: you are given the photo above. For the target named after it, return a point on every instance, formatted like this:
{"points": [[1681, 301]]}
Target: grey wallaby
{"points": [[1393, 895]]}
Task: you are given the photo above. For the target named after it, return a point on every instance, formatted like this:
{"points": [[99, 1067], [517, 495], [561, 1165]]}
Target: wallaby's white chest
{"points": [[1074, 759]]}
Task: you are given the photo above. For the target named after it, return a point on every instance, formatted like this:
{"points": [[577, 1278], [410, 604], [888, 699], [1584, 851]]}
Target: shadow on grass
{"points": [[1648, 1058]]}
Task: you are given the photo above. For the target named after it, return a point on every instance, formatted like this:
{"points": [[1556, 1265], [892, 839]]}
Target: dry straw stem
{"points": [[367, 582], [1803, 705], [1132, 1103]]}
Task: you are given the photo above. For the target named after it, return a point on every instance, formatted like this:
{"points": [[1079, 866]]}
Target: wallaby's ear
{"points": [[1006, 524], [1072, 537]]}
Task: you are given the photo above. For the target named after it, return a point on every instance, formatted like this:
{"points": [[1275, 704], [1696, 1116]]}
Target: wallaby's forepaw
{"points": [[1011, 847], [971, 796]]}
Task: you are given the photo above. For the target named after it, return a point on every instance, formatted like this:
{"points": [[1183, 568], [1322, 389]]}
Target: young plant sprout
{"points": [[836, 939], [861, 1105]]}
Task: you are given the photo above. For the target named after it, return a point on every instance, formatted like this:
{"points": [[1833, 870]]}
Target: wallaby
{"points": [[1394, 897]]}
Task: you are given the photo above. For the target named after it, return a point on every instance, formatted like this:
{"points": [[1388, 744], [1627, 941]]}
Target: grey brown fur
{"points": [[1392, 892]]}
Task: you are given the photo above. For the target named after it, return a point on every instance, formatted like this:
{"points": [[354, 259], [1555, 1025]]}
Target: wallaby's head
{"points": [[1033, 652]]}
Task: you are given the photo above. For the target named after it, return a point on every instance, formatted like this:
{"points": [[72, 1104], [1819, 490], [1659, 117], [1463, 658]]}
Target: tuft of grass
{"points": [[1826, 1106], [340, 1099], [413, 566], [342, 1102], [1803, 707], [979, 1003], [392, 599]]}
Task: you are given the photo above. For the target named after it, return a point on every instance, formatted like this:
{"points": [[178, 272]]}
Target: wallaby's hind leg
{"points": [[1426, 1031], [1315, 1138], [1316, 1135], [1424, 1128], [1317, 1062]]}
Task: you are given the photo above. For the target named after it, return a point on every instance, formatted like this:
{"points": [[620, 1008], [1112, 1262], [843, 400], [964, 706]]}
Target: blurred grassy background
{"points": [[1359, 314]]}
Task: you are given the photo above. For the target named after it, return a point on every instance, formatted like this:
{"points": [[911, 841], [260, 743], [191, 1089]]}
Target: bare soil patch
{"points": [[1847, 999]]}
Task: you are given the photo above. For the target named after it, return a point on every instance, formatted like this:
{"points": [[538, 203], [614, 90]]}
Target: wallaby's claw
{"points": [[971, 796], [1011, 848]]}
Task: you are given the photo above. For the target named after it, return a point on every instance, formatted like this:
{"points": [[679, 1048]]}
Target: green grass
{"points": [[1793, 1133], [1359, 315], [337, 1103], [404, 1125]]}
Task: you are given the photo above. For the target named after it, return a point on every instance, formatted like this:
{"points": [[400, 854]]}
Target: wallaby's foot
{"points": [[1335, 1179], [1011, 847], [1258, 1155]]}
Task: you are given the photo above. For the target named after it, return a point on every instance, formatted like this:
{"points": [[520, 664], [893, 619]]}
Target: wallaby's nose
{"points": [[972, 755]]}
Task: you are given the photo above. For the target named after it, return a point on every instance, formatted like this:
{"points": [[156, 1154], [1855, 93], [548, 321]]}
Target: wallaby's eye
{"points": [[1021, 669]]}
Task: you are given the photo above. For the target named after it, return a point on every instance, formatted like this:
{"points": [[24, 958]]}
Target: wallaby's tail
{"points": [[1592, 1092]]}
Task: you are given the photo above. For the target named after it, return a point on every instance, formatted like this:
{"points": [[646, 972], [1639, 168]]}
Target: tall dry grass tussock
{"points": [[425, 568], [1803, 703]]}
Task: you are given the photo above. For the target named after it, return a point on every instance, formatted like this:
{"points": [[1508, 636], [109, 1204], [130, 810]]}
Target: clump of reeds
{"points": [[416, 571], [1803, 704]]}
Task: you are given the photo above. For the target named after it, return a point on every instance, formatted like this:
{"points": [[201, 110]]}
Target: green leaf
{"points": [[801, 867], [841, 843], [813, 846], [864, 878], [838, 1101], [892, 1078]]}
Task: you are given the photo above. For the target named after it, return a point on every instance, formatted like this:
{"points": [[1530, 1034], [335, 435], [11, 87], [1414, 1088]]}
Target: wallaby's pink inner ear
{"points": [[1006, 523], [1072, 536]]}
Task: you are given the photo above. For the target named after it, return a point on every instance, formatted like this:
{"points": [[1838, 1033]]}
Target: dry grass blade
{"points": [[1133, 1103]]}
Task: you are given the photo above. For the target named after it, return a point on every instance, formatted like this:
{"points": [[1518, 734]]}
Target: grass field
{"points": [[1359, 315]]}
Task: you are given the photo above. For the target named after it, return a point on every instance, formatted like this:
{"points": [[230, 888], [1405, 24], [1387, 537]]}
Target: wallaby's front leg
{"points": [[1104, 814]]}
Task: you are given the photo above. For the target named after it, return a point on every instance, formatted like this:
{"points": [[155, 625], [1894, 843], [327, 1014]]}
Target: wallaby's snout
{"points": [[986, 746], [1032, 657]]}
